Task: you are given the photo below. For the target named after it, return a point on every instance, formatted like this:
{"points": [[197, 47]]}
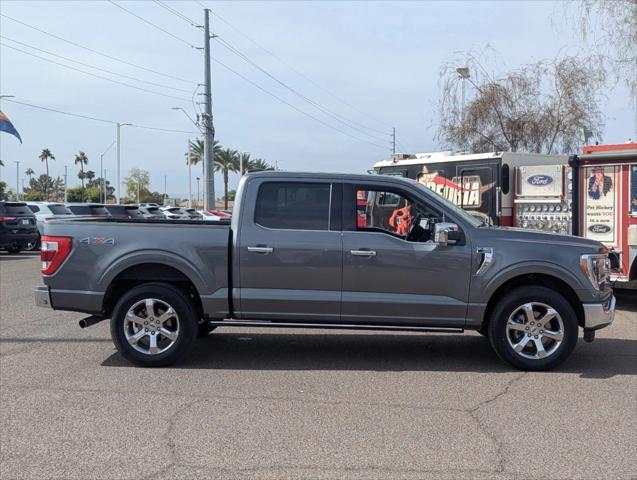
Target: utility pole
{"points": [[393, 142], [66, 197], [119, 180], [165, 176], [209, 130], [189, 177], [104, 186], [17, 179]]}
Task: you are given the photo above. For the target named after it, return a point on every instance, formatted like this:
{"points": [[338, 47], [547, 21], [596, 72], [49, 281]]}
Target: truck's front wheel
{"points": [[154, 325], [533, 328]]}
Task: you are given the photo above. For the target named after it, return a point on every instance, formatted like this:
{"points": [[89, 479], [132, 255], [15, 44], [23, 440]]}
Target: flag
{"points": [[7, 126]]}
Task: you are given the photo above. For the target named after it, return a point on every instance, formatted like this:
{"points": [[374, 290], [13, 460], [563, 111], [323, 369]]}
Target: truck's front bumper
{"points": [[599, 315], [42, 297]]}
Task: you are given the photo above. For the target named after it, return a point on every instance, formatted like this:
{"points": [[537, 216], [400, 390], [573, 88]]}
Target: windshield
{"points": [[473, 221]]}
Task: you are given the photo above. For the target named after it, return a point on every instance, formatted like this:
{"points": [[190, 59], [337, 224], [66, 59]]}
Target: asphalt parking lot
{"points": [[314, 404]]}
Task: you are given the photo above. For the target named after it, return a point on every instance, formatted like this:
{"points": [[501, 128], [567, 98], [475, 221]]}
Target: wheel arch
{"points": [[534, 279], [149, 272]]}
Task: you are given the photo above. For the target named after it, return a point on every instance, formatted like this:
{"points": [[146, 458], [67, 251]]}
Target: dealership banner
{"points": [[600, 204]]}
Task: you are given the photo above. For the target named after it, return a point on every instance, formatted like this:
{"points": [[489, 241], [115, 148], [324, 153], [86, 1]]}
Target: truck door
{"points": [[289, 251], [479, 190], [388, 279]]}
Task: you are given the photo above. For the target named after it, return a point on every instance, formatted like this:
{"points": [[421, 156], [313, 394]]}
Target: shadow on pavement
{"points": [[626, 300], [604, 358]]}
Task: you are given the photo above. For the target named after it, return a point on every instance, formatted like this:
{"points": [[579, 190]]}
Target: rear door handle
{"points": [[362, 253], [264, 250]]}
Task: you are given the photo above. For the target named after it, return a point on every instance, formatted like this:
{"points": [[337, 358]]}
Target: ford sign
{"points": [[599, 228], [539, 180]]}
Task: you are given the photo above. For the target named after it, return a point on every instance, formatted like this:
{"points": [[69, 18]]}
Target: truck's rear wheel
{"points": [[154, 325], [533, 328]]}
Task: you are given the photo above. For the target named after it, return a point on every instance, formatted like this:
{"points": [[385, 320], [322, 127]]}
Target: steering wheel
{"points": [[414, 225]]}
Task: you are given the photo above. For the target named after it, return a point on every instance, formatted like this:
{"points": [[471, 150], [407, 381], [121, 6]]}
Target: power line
{"points": [[295, 107], [299, 73], [96, 68], [176, 12], [152, 24], [156, 72], [94, 74], [325, 110], [96, 119]]}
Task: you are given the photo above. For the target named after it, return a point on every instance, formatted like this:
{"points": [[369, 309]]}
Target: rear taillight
{"points": [[53, 252], [7, 219]]}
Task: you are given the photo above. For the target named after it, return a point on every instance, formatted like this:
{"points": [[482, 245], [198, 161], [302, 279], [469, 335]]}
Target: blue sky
{"points": [[381, 58]]}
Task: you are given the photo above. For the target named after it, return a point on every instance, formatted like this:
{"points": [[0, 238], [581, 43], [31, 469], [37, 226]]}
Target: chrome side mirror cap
{"points": [[441, 233]]}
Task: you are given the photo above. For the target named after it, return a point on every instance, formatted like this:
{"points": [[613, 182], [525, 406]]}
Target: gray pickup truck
{"points": [[306, 250]]}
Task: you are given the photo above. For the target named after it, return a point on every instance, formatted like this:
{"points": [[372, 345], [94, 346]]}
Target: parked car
{"points": [[18, 229], [174, 213], [193, 214], [296, 255], [46, 211], [221, 213], [124, 211], [88, 209], [153, 213], [209, 216]]}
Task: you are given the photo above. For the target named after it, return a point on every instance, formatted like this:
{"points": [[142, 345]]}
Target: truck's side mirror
{"points": [[446, 233]]}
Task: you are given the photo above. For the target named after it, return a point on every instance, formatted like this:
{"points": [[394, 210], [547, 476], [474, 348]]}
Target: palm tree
{"points": [[29, 173], [81, 159], [226, 162], [197, 149], [259, 164], [45, 156]]}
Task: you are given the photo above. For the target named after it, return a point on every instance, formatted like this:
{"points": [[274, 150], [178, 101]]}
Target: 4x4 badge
{"points": [[98, 241]]}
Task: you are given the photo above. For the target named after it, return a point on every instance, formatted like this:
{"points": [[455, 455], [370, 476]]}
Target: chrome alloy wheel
{"points": [[151, 326], [535, 330]]}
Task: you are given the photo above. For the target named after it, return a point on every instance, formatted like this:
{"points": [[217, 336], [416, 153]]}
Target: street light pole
{"points": [[165, 196], [198, 178], [209, 129], [66, 197], [464, 74], [119, 126], [17, 179]]}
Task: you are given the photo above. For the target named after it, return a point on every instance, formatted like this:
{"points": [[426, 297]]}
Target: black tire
{"points": [[186, 317], [32, 247], [501, 339], [205, 329]]}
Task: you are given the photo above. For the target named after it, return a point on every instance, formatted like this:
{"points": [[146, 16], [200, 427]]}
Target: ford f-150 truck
{"points": [[368, 252]]}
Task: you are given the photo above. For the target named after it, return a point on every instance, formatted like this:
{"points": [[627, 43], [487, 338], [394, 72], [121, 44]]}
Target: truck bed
{"points": [[192, 251]]}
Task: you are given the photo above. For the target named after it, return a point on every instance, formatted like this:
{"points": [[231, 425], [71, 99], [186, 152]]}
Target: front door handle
{"points": [[362, 253], [263, 250]]}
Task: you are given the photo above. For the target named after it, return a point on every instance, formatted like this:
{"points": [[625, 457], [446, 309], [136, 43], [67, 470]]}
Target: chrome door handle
{"points": [[362, 253], [264, 250]]}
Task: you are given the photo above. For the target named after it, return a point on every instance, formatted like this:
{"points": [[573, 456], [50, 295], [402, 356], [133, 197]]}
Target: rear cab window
{"points": [[293, 206]]}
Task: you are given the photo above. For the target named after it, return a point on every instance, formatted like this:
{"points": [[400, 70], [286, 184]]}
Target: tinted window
{"points": [[505, 178], [19, 209], [297, 206], [34, 208], [59, 210], [80, 209]]}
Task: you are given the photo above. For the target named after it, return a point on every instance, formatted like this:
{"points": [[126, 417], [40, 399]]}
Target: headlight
{"points": [[596, 268]]}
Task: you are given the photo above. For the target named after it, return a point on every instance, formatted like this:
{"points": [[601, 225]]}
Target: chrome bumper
{"points": [[42, 297], [599, 315]]}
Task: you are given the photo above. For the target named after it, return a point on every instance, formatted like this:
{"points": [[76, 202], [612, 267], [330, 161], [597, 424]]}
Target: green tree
{"points": [[44, 188], [228, 161], [137, 179], [29, 173], [81, 159], [45, 156], [197, 149], [3, 190], [258, 164]]}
